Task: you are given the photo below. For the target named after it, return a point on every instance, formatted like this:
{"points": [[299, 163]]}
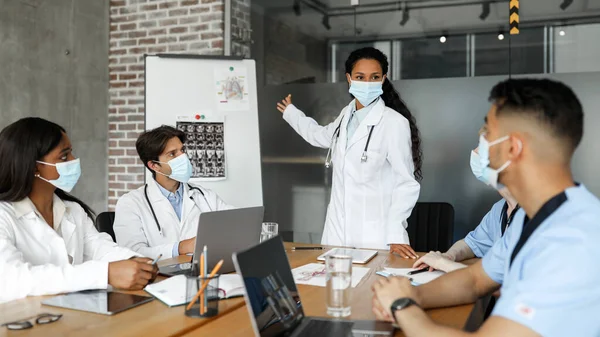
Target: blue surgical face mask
{"points": [[181, 168], [490, 175], [68, 174], [476, 166], [365, 92]]}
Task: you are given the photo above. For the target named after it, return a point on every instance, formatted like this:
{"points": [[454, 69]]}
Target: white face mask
{"points": [[476, 166], [68, 174], [181, 168], [488, 174]]}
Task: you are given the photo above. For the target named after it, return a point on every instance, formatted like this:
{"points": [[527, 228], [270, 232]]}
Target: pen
{"points": [[419, 271], [156, 260], [307, 248]]}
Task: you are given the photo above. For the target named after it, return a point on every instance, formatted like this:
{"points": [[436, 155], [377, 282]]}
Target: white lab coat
{"points": [[136, 229], [36, 259], [370, 201]]}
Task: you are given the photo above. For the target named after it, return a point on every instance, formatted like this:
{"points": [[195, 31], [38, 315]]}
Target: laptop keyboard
{"points": [[327, 328]]}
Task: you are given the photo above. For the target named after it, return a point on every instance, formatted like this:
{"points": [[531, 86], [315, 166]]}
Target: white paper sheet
{"points": [[314, 274], [420, 278]]}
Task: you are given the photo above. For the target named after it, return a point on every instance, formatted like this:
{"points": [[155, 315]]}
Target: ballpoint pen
{"points": [[307, 248], [418, 271], [156, 260]]}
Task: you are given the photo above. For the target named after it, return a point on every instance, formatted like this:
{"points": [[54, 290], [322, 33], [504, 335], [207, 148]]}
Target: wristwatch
{"points": [[401, 303]]}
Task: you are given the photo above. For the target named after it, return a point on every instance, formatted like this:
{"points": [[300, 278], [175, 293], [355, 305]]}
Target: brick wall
{"points": [[139, 27], [240, 18]]}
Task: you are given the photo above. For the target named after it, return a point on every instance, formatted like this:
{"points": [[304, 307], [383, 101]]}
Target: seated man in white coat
{"points": [[161, 217]]}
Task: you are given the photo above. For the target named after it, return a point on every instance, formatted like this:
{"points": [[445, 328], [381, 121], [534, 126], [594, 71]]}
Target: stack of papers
{"points": [[172, 290], [420, 278], [314, 274]]}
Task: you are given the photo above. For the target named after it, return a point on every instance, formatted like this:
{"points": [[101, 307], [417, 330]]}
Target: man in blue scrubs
{"points": [[547, 260], [480, 240]]}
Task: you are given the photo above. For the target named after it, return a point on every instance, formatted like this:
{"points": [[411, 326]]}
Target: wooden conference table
{"points": [[156, 319]]}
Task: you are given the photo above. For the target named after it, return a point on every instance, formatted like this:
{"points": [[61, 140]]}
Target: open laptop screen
{"points": [[272, 296]]}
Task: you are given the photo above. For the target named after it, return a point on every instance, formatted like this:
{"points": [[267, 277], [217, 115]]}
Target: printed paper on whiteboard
{"points": [[205, 146], [232, 89]]}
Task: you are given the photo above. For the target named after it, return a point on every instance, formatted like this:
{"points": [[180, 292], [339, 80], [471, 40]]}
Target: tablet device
{"points": [[97, 301], [359, 256]]}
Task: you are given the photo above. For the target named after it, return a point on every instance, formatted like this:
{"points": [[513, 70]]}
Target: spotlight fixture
{"points": [[325, 22], [565, 4], [562, 32], [443, 38], [485, 10], [296, 8], [405, 15]]}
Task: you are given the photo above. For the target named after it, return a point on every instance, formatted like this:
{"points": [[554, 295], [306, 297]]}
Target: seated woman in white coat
{"points": [[374, 147], [161, 217], [48, 242]]}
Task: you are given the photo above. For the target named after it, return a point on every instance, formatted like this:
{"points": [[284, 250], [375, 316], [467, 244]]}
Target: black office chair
{"points": [[104, 223], [431, 226], [480, 312]]}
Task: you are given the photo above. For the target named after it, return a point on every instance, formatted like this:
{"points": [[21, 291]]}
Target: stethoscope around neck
{"points": [[192, 198], [334, 139]]}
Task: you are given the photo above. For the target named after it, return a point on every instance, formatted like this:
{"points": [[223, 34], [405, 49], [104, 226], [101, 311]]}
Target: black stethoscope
{"points": [[192, 198], [334, 139]]}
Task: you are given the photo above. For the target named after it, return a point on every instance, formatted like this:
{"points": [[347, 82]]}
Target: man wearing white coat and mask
{"points": [[161, 217]]}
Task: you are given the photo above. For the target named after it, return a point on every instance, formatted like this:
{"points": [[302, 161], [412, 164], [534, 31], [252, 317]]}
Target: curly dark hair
{"points": [[392, 99]]}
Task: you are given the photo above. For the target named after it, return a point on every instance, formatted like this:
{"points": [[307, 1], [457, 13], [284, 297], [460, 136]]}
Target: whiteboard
{"points": [[185, 88]]}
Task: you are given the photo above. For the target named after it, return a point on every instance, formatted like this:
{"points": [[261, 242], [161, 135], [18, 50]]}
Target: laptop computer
{"points": [[222, 232], [274, 303]]}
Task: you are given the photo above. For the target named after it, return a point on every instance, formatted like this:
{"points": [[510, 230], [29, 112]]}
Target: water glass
{"points": [[339, 282], [269, 230]]}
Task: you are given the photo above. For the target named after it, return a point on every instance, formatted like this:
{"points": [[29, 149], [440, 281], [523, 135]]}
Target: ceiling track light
{"points": [[562, 31], [405, 15], [565, 4], [444, 38], [296, 8], [325, 22], [485, 10]]}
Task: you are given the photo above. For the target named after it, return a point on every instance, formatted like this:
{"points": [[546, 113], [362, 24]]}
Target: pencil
{"points": [[212, 274]]}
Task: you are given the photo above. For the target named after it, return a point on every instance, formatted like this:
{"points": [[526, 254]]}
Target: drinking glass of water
{"points": [[339, 281], [269, 230]]}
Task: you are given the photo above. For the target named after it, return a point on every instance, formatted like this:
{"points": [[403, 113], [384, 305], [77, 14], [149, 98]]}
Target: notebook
{"points": [[172, 290], [360, 256]]}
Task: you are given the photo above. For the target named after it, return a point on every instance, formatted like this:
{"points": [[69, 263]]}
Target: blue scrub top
{"points": [[483, 237], [553, 283]]}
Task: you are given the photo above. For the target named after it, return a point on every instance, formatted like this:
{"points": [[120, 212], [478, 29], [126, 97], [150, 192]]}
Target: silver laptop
{"points": [[222, 232], [274, 303]]}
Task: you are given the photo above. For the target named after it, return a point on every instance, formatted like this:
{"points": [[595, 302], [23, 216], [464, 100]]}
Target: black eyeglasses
{"points": [[26, 324]]}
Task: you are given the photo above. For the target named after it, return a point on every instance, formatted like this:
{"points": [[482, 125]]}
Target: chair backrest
{"points": [[480, 312], [431, 226], [104, 223]]}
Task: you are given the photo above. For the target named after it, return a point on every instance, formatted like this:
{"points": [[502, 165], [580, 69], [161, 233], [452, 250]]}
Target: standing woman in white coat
{"points": [[48, 242], [374, 148]]}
